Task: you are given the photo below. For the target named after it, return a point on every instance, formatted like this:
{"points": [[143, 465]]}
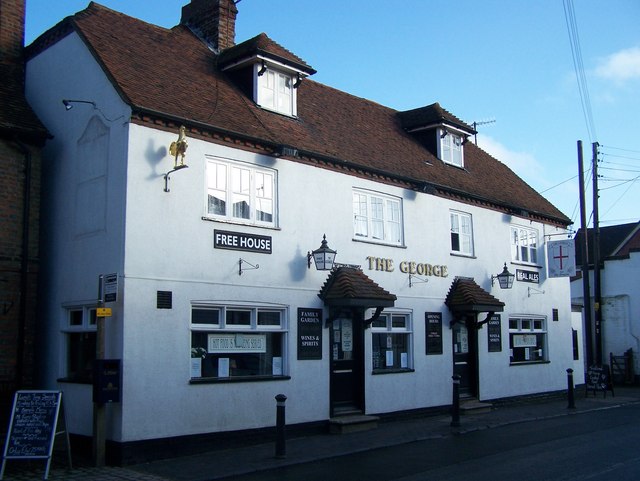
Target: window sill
{"points": [[528, 363], [223, 380], [524, 264], [233, 222], [364, 240], [391, 371], [73, 380], [460, 254]]}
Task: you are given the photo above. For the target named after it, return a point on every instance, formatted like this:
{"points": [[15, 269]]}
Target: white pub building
{"points": [[265, 234]]}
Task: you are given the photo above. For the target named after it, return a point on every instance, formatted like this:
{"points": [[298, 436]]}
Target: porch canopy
{"points": [[466, 299], [347, 287]]}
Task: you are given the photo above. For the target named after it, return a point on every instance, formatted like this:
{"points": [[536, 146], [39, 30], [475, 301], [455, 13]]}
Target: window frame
{"points": [[222, 192], [451, 147], [527, 325], [87, 328], [520, 250], [374, 212], [378, 366], [274, 335], [460, 215], [275, 98]]}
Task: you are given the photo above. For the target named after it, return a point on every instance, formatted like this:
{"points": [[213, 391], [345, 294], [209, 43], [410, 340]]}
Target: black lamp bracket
{"points": [[417, 281], [166, 176], [250, 268]]}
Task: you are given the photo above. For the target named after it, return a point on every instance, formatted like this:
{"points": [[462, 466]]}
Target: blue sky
{"points": [[507, 63]]}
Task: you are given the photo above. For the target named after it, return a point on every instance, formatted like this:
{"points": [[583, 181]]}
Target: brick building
{"points": [[21, 139]]}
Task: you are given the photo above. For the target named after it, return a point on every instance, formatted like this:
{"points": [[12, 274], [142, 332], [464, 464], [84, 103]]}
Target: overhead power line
{"points": [[574, 40]]}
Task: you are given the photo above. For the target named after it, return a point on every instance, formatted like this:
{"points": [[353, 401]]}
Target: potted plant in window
{"points": [[197, 355]]}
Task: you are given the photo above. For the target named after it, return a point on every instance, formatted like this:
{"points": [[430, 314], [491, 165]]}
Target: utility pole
{"points": [[584, 250], [596, 260]]}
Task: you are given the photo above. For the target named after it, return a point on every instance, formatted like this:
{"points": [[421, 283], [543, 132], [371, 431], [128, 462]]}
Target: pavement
{"points": [[220, 464]]}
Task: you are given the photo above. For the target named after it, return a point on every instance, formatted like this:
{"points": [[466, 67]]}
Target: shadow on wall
{"points": [[154, 155]]}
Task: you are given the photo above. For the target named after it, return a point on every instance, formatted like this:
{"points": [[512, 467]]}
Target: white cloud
{"points": [[540, 176], [620, 66], [524, 164]]}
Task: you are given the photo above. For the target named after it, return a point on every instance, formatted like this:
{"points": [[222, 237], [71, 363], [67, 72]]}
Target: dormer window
{"points": [[275, 90], [450, 149]]}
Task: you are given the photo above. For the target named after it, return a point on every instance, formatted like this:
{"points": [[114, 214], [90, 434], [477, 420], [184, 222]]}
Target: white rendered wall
{"points": [[157, 240]]}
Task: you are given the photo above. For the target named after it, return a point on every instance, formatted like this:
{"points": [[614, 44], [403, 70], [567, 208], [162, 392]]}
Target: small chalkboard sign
{"points": [[599, 379], [32, 428], [433, 332]]}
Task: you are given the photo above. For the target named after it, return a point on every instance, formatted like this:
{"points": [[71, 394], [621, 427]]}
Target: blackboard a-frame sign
{"points": [[35, 421], [599, 379]]}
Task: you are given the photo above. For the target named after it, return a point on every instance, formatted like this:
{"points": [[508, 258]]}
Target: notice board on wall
{"points": [[309, 333], [494, 333], [433, 332], [33, 427]]}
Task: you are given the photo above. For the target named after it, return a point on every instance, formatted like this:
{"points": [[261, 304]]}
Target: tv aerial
{"points": [[481, 122]]}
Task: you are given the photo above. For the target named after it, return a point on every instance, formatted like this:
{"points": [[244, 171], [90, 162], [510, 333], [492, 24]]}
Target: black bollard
{"points": [[570, 397], [281, 448], [455, 407]]}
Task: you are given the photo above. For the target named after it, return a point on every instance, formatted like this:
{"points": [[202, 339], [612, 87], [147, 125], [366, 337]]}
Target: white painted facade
{"points": [[620, 294], [108, 212]]}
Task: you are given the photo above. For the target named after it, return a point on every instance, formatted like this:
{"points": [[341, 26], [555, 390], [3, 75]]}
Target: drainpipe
{"points": [[24, 267]]}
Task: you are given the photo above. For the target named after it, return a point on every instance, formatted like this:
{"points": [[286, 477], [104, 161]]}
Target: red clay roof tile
{"points": [[172, 73]]}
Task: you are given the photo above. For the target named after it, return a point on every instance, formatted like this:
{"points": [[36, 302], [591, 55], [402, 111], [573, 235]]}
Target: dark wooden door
{"points": [[347, 367], [464, 354]]}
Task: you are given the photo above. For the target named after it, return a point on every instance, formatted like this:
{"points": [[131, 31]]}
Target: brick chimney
{"points": [[214, 21], [11, 31]]}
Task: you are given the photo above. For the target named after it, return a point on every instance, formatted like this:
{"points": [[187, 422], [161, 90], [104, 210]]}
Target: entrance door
{"points": [[464, 365], [347, 367]]}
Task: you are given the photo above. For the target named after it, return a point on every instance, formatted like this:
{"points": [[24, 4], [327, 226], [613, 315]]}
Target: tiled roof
{"points": [[611, 241], [467, 296], [429, 115], [171, 74], [349, 286], [263, 45]]}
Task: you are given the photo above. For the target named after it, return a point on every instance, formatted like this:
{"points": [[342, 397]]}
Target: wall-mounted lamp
{"points": [[177, 148], [68, 104], [323, 256], [298, 81], [505, 278], [444, 134]]}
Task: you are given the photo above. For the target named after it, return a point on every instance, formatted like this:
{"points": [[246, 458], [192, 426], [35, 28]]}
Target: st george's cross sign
{"points": [[561, 258]]}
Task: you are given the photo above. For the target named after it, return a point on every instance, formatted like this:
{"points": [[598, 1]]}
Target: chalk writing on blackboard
{"points": [[32, 428]]}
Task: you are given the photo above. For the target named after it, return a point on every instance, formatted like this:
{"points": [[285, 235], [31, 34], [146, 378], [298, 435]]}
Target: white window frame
{"points": [[384, 325], [253, 328], [86, 326], [275, 90], [232, 183], [377, 217], [465, 239], [524, 244], [451, 147], [530, 331]]}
